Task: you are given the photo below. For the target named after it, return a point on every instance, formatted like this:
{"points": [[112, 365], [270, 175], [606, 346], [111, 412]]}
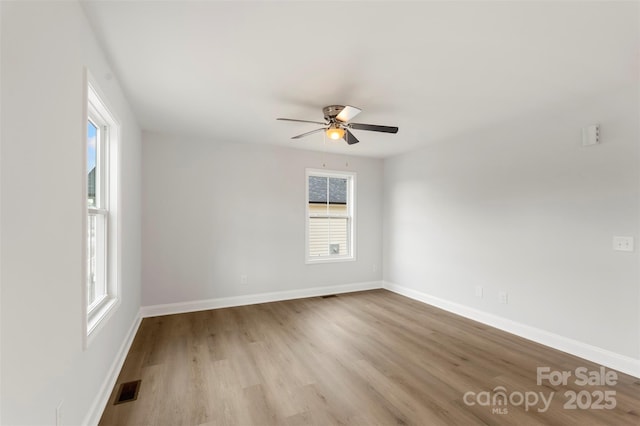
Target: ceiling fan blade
{"points": [[348, 136], [301, 121], [373, 127], [347, 113], [308, 133]]}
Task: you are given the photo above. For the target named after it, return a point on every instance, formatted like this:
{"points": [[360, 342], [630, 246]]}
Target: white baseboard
{"points": [[102, 398], [592, 353], [252, 299]]}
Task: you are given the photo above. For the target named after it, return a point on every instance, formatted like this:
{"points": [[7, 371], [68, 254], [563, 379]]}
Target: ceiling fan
{"points": [[337, 125]]}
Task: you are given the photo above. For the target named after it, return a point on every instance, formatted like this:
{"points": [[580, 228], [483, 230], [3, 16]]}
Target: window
{"points": [[101, 286], [330, 216]]}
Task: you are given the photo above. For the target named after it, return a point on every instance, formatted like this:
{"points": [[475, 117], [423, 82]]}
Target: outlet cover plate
{"points": [[623, 243]]}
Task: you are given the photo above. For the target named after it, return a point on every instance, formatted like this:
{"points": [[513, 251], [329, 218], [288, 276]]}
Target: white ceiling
{"points": [[226, 70]]}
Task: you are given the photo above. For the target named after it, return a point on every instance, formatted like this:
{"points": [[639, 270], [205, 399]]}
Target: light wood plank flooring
{"points": [[367, 358]]}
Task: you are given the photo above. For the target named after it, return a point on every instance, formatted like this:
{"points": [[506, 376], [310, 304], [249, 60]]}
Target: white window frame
{"points": [[351, 213], [101, 209], [107, 202]]}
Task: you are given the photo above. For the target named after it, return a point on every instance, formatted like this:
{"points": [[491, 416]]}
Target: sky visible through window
{"points": [[91, 146]]}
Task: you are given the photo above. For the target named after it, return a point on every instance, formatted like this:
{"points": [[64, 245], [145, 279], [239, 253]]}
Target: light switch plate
{"points": [[623, 243]]}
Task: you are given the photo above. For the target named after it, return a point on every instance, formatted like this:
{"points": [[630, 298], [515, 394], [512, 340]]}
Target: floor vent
{"points": [[330, 295], [128, 392]]}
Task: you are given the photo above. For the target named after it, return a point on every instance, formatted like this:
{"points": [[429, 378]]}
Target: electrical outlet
{"points": [[59, 414], [479, 291], [375, 268], [503, 297], [244, 279], [623, 243]]}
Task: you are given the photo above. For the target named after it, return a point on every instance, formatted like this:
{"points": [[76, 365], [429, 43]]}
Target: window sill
{"points": [[99, 316], [330, 260]]}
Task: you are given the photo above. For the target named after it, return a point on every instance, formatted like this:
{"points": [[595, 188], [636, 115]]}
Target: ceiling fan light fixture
{"points": [[338, 123], [335, 133]]}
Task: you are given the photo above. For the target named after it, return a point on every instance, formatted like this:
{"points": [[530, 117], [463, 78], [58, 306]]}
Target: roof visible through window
{"points": [[327, 189]]}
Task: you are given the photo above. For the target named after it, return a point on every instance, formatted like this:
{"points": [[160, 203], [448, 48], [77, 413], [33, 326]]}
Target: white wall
{"points": [[213, 211], [44, 49], [522, 207]]}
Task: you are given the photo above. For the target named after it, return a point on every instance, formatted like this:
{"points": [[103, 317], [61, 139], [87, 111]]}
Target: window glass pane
{"points": [[329, 230], [337, 191], [92, 161], [96, 256], [328, 236], [337, 209], [327, 190], [318, 189], [91, 256], [318, 236], [338, 230]]}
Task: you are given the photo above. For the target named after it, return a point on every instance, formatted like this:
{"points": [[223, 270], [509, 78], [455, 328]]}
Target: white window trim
{"points": [[351, 204], [101, 209], [95, 316]]}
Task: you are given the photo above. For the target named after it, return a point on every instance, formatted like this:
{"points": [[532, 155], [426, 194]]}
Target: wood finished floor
{"points": [[367, 358]]}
